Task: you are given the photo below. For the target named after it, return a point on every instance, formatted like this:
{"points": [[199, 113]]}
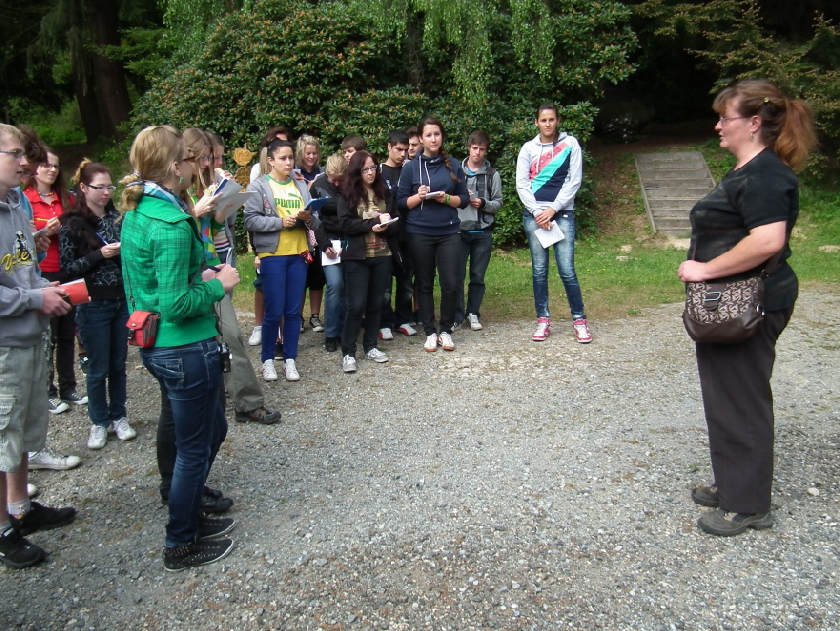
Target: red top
{"points": [[43, 211]]}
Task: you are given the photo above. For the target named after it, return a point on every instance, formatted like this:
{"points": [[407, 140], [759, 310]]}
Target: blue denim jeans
{"points": [[335, 307], [284, 280], [190, 376], [477, 247], [105, 337], [564, 255]]}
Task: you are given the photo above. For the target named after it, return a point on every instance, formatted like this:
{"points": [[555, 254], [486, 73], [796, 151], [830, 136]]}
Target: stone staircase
{"points": [[671, 184]]}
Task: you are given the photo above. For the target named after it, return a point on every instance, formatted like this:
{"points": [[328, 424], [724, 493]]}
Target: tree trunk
{"points": [[83, 87], [111, 88]]}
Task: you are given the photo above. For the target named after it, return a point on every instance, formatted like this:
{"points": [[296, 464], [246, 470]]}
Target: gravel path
{"points": [[507, 485]]}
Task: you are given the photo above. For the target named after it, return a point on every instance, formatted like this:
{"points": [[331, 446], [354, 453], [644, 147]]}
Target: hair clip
{"points": [[130, 184], [766, 100], [135, 173]]}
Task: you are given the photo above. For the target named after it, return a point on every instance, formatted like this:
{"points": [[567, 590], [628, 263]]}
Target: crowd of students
{"points": [[375, 232]]}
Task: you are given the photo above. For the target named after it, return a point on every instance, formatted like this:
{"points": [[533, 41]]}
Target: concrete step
{"points": [[681, 182], [677, 193], [672, 204]]}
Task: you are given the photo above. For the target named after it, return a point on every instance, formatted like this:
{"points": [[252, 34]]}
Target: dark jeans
{"points": [[365, 282], [427, 254], [403, 311], [62, 349], [477, 247], [284, 279], [104, 335], [738, 401], [191, 377]]}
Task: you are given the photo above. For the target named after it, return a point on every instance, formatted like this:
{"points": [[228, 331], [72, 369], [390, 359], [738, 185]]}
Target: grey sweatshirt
{"points": [[21, 322], [488, 186]]}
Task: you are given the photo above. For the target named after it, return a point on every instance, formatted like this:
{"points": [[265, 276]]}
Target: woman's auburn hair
{"points": [[787, 125], [353, 189], [432, 121]]}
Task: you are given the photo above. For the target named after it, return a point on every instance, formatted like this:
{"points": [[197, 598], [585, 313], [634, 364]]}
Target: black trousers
{"points": [[444, 254], [738, 401], [62, 349], [364, 285]]}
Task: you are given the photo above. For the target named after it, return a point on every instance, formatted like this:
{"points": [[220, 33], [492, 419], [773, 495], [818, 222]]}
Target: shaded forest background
{"points": [[96, 71]]}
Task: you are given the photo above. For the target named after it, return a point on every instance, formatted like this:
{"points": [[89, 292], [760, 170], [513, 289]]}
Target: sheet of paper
{"points": [[549, 237], [230, 197], [325, 260]]}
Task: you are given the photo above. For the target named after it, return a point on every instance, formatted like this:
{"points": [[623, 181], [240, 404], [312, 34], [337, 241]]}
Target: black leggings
{"points": [[441, 253]]}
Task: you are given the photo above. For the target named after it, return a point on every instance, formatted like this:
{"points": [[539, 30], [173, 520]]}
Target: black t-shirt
{"points": [[762, 192], [391, 176]]}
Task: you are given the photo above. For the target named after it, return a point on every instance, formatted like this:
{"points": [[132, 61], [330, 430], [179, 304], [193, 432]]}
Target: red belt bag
{"points": [[142, 329]]}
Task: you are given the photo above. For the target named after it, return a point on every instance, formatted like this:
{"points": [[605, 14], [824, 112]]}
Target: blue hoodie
{"points": [[430, 217]]}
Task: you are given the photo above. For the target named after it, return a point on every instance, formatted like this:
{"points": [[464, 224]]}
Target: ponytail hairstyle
{"points": [[430, 121], [553, 108], [352, 188], [787, 126], [80, 213], [154, 152], [197, 141]]}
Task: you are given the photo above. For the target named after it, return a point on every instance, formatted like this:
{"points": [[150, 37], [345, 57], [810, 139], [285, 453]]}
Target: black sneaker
{"points": [[17, 552], [261, 415], [196, 554], [213, 527], [74, 398], [214, 501], [40, 517], [278, 349], [331, 344]]}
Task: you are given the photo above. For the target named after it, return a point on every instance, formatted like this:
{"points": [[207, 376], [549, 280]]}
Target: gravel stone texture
{"points": [[506, 485]]}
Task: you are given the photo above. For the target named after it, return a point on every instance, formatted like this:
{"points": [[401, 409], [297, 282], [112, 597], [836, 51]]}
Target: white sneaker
{"points": [[256, 337], [475, 325], [376, 355], [445, 342], [32, 490], [98, 437], [291, 370], [386, 334], [48, 459], [348, 363], [269, 373], [431, 343], [123, 430], [407, 329]]}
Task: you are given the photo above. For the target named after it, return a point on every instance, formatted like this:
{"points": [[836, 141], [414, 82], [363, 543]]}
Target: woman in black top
{"points": [[736, 228], [89, 248]]}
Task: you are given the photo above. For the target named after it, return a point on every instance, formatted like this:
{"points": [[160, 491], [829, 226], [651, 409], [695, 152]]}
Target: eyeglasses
{"points": [[723, 119], [207, 159], [369, 169], [189, 159], [17, 154], [110, 189], [50, 167]]}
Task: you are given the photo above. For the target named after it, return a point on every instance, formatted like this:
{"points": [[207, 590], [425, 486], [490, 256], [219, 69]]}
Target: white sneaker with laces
{"points": [[123, 430], [268, 371], [376, 355], [256, 337], [386, 334], [291, 370], [543, 330], [48, 459], [475, 325], [98, 437], [348, 363], [446, 343], [582, 333], [407, 329], [431, 343]]}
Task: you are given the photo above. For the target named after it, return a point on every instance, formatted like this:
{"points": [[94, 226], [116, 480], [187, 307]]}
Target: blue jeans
{"points": [[477, 247], [105, 337], [190, 376], [564, 255], [284, 279], [335, 307]]}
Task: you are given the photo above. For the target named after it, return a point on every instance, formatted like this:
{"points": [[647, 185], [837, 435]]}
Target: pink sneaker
{"points": [[582, 331], [543, 330]]}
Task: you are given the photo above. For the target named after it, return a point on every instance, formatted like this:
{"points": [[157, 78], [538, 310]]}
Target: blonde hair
{"points": [[154, 152], [300, 152], [336, 166], [787, 126], [11, 133], [264, 161], [197, 140]]}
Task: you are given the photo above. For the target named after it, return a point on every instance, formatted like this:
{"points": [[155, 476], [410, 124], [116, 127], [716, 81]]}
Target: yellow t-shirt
{"points": [[287, 202]]}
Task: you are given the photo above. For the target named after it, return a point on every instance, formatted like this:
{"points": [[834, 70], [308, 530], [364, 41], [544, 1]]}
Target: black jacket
{"points": [[355, 229]]}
